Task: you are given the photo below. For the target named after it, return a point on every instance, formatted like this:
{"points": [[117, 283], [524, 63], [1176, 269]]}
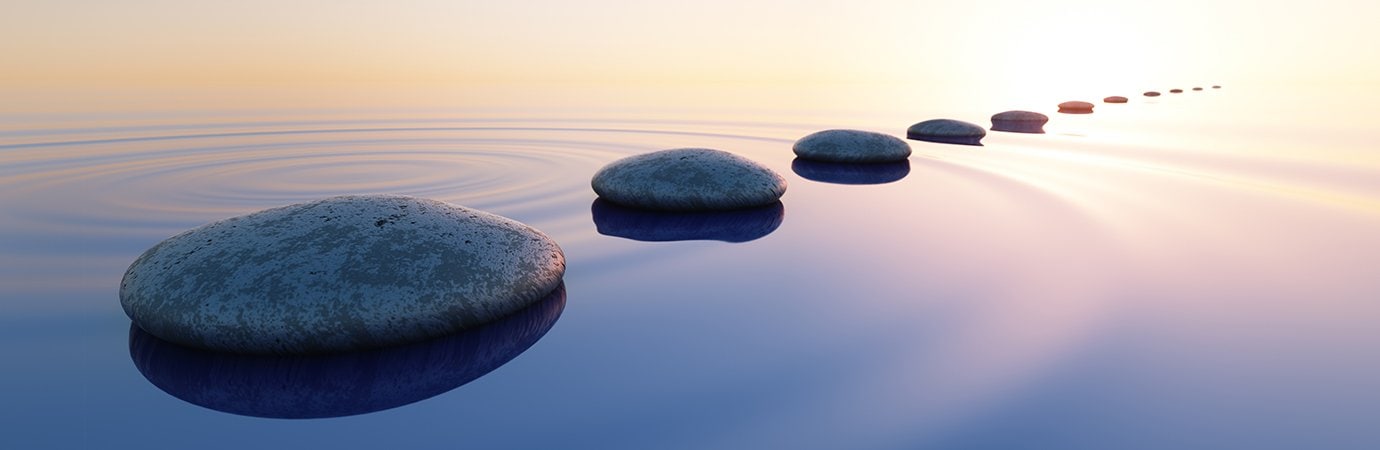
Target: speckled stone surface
{"points": [[1152, 94], [1019, 122], [1116, 99], [340, 274], [851, 146], [1076, 107], [688, 179], [947, 131]]}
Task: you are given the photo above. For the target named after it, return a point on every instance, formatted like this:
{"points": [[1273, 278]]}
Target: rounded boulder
{"points": [[688, 179], [340, 274], [947, 131], [1076, 107], [1019, 122], [851, 146]]}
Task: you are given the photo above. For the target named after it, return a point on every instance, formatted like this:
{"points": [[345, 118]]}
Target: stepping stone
{"points": [[1019, 122], [1076, 107], [1152, 94], [947, 131], [1115, 99], [688, 179], [341, 274], [851, 146]]}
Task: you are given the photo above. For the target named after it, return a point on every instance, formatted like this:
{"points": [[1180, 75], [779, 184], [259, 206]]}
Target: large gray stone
{"points": [[1019, 122], [340, 274], [688, 179], [947, 131], [851, 146]]}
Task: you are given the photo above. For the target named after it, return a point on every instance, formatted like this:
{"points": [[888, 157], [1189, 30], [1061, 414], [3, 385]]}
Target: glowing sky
{"points": [[165, 42]]}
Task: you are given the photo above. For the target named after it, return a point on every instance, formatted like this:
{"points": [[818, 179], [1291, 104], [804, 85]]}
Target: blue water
{"points": [[1200, 271]]}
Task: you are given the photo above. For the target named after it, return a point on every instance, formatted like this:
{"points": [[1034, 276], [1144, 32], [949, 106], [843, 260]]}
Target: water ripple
{"points": [[120, 193]]}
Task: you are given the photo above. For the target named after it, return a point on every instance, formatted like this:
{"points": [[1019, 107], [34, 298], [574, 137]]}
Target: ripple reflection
{"points": [[302, 387], [846, 173], [740, 225]]}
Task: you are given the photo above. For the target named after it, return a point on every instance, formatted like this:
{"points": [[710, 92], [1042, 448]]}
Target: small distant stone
{"points": [[688, 179], [340, 274], [1176, 91], [1197, 89], [1076, 107], [851, 146], [1019, 122], [1115, 99], [1152, 94], [947, 131]]}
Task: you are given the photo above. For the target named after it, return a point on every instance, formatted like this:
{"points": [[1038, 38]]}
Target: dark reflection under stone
{"points": [[344, 384], [851, 173], [739, 225]]}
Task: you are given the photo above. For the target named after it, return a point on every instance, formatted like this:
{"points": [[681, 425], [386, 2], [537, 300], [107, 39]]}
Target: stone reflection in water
{"points": [[739, 225], [849, 173], [344, 384]]}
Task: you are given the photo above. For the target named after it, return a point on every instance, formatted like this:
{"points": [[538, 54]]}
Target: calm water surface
{"points": [[1200, 270]]}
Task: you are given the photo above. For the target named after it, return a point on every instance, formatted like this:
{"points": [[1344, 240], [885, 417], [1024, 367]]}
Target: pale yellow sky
{"points": [[56, 43]]}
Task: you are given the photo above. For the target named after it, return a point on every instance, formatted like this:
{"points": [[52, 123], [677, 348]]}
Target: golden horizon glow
{"points": [[1013, 43]]}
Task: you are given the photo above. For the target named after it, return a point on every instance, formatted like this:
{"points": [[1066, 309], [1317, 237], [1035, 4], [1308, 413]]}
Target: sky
{"points": [[57, 43]]}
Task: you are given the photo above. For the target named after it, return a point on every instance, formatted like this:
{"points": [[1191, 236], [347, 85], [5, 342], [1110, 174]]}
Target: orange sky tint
{"points": [[58, 43]]}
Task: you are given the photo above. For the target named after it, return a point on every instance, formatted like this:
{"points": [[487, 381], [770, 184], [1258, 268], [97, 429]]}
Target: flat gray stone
{"points": [[340, 274], [1019, 122], [688, 179], [947, 131], [851, 146], [1115, 99], [1076, 107]]}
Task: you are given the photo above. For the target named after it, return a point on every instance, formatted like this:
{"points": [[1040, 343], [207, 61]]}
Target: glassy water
{"points": [[1199, 270]]}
